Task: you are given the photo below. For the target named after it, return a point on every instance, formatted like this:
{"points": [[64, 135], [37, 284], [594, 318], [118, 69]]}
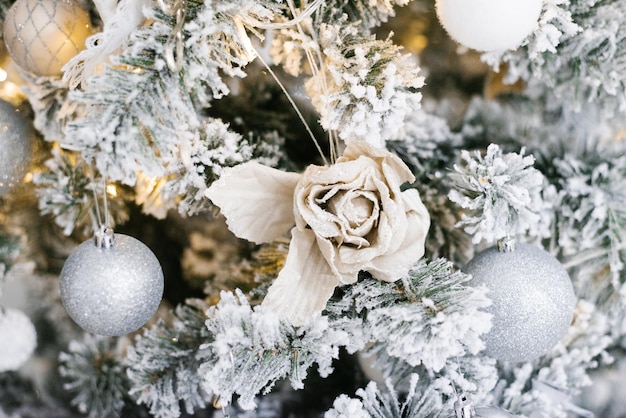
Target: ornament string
{"points": [[316, 63], [463, 405], [174, 51], [103, 233], [252, 50]]}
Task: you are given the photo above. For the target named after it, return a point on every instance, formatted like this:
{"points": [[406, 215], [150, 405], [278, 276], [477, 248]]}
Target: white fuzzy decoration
{"points": [[120, 20], [489, 25], [349, 217], [18, 337]]}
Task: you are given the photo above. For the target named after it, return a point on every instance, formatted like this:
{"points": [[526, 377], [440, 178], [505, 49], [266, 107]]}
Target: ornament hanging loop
{"points": [[506, 245], [173, 52], [104, 237], [464, 407]]}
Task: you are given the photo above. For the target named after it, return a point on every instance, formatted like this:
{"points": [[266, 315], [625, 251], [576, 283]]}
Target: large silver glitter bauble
{"points": [[532, 298], [111, 291], [16, 140]]}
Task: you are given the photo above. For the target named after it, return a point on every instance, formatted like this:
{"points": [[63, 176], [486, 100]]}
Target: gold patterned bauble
{"points": [[43, 35]]}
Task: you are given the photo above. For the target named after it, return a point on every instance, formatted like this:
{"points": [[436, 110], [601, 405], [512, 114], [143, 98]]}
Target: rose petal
{"points": [[304, 285], [330, 253], [256, 200], [392, 166], [394, 265]]}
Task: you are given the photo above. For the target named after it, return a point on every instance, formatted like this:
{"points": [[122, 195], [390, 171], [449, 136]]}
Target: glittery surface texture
{"points": [[532, 297], [112, 291], [16, 138]]}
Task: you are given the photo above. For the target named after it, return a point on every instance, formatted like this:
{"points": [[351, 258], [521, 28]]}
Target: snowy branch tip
{"points": [[500, 192]]}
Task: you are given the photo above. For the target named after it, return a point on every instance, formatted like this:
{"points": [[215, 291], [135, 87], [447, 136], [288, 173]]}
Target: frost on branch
{"points": [[216, 46], [163, 364], [366, 88], [144, 117], [368, 13], [252, 349], [374, 402], [578, 54], [424, 319], [591, 215], [211, 149], [501, 193], [66, 189], [93, 372]]}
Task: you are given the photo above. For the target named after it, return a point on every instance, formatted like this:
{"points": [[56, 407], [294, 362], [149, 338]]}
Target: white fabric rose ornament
{"points": [[351, 216]]}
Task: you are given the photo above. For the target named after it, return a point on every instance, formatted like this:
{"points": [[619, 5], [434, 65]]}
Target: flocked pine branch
{"points": [[143, 116], [94, 374], [377, 403], [366, 13], [238, 351], [366, 87], [424, 319], [501, 193], [253, 349], [163, 364], [69, 191], [578, 54], [591, 216]]}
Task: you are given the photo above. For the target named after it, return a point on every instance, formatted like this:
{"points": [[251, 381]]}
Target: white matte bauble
{"points": [[18, 339], [532, 298], [43, 35], [489, 25], [16, 140], [111, 290]]}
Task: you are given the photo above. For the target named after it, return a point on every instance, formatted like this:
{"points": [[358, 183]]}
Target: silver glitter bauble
{"points": [[111, 291], [18, 339], [16, 140], [43, 35], [485, 412], [532, 298]]}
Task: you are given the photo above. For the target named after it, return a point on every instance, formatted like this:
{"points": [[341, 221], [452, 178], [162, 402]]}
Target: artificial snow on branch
{"points": [[378, 403], [502, 193]]}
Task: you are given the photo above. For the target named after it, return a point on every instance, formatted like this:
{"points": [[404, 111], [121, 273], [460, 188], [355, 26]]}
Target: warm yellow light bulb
{"points": [[112, 190]]}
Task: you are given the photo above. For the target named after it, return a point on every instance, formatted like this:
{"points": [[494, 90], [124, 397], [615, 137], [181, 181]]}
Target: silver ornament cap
{"points": [[111, 285], [532, 298], [465, 408]]}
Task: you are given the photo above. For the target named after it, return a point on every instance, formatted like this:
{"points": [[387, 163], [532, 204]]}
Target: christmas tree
{"points": [[266, 208]]}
